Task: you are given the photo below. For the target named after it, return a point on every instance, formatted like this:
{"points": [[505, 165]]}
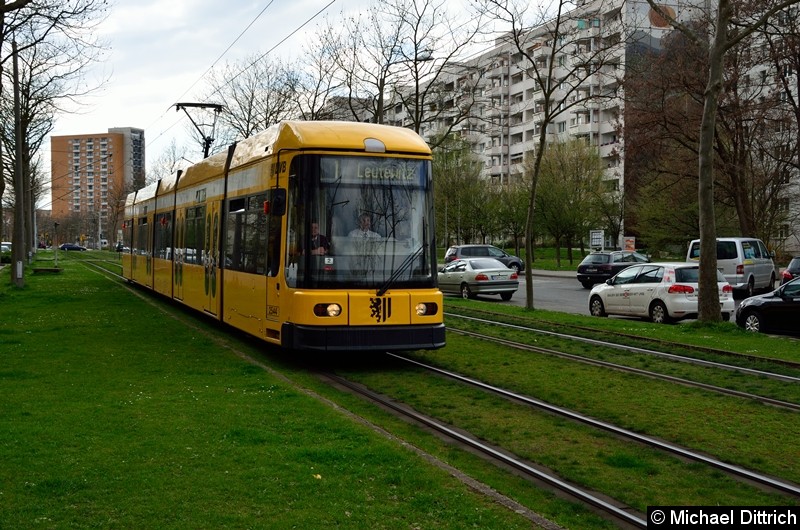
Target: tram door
{"points": [[211, 256], [179, 254]]}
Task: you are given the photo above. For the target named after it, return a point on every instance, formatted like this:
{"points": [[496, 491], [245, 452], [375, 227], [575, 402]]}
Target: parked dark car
{"points": [[598, 267], [484, 251], [791, 271], [777, 311], [71, 246]]}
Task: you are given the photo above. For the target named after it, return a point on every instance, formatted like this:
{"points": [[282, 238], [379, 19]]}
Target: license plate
{"points": [[499, 277]]}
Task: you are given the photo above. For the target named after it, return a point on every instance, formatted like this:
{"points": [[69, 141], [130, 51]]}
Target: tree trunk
{"points": [[708, 297]]}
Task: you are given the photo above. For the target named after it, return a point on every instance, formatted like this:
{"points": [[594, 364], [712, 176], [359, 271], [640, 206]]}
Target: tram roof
{"points": [[308, 135], [344, 135]]}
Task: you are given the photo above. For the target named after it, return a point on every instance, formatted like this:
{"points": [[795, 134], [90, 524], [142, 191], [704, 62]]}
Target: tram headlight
{"points": [[428, 308], [327, 310]]}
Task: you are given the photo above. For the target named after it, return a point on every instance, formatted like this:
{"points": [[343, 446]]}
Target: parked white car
{"points": [[662, 292]]}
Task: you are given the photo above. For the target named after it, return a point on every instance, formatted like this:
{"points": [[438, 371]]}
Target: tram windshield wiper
{"points": [[399, 270]]}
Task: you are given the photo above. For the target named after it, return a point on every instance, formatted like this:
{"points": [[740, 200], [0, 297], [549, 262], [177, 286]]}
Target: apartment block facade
{"points": [[507, 107], [91, 173]]}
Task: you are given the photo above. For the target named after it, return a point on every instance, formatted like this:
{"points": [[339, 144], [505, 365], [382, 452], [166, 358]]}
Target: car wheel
{"points": [[506, 296], [658, 312], [726, 317], [752, 322], [771, 282], [587, 285], [750, 290], [596, 307], [466, 292], [515, 267]]}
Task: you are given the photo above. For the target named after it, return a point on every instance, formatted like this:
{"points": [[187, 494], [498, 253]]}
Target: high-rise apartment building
{"points": [[593, 45], [92, 173]]}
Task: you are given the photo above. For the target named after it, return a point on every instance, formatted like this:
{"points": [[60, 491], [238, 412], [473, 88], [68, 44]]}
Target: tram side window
{"points": [[195, 231], [127, 234], [141, 236], [162, 245], [246, 235]]}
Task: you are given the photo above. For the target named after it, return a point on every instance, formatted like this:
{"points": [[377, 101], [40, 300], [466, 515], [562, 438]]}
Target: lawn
{"points": [[117, 414]]}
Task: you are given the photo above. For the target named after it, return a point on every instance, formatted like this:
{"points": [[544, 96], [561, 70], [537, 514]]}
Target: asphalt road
{"points": [[555, 292]]}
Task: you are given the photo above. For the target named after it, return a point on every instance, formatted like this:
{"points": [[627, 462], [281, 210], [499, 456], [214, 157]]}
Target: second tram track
{"points": [[741, 472], [634, 349], [632, 370]]}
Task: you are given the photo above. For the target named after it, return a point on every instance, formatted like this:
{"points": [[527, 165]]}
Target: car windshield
{"points": [[481, 264], [595, 259]]}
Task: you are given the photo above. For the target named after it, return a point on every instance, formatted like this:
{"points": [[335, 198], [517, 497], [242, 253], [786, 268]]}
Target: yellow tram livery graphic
{"points": [[309, 235]]}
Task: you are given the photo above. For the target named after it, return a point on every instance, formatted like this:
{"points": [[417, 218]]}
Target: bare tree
{"points": [[55, 42], [47, 76], [317, 81], [432, 43], [561, 66], [398, 54], [168, 162], [732, 23], [256, 92], [367, 56]]}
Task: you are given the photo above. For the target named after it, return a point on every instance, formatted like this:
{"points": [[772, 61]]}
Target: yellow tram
{"points": [[309, 235]]}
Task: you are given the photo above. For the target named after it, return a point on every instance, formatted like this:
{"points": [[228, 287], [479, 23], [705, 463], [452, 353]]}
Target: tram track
{"points": [[613, 510], [599, 502], [635, 349], [580, 333], [621, 514], [632, 370], [738, 471]]}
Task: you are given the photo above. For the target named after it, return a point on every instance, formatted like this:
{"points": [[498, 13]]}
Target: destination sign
{"points": [[387, 171], [360, 170]]}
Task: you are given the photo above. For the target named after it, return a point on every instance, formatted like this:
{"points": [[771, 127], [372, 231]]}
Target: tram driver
{"points": [[364, 229]]}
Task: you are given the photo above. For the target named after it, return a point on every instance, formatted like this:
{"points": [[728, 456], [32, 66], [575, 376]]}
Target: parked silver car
{"points": [[745, 262], [471, 277]]}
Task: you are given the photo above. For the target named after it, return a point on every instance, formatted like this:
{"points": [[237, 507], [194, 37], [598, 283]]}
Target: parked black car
{"points": [[791, 271], [71, 246], [777, 311], [483, 251], [597, 267]]}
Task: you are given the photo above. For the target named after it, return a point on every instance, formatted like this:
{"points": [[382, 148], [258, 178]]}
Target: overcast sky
{"points": [[159, 51]]}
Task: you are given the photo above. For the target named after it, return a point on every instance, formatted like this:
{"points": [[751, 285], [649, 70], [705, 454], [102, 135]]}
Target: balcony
{"points": [[498, 150]]}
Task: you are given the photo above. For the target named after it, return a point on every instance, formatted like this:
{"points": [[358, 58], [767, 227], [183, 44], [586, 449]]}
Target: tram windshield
{"points": [[360, 222]]}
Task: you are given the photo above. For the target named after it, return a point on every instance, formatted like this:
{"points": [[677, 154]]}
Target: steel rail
{"points": [[635, 349], [776, 484], [552, 480], [630, 369]]}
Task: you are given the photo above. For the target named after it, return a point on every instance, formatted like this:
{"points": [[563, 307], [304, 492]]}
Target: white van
{"points": [[745, 262]]}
